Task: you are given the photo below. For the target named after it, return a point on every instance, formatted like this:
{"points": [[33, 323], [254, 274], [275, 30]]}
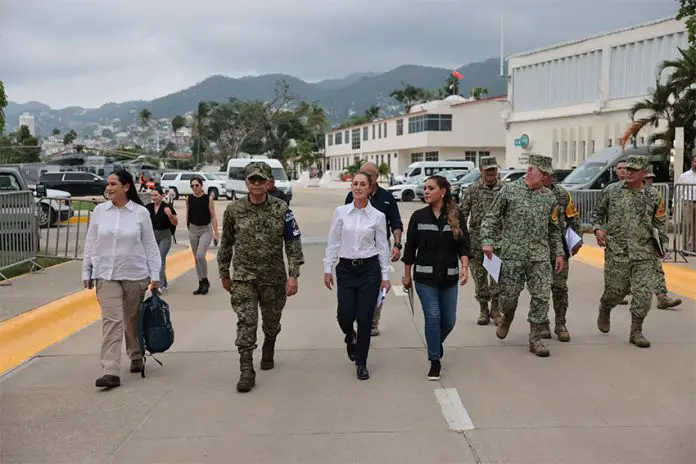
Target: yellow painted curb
{"points": [[76, 219], [26, 335], [680, 280]]}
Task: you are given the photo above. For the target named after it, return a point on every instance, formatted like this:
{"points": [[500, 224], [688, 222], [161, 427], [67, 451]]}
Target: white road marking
{"points": [[454, 411], [398, 290]]}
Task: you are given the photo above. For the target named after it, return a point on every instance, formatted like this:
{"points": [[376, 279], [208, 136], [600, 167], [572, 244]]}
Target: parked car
{"points": [[53, 205], [509, 175], [236, 182], [79, 184], [403, 192], [179, 183], [463, 182]]}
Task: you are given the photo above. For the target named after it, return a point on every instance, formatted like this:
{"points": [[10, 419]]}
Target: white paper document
{"points": [[571, 239], [493, 266]]}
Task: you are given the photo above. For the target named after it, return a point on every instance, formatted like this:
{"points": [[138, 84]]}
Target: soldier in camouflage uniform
{"points": [[255, 230], [474, 203], [526, 214], [623, 222], [568, 217], [664, 301]]}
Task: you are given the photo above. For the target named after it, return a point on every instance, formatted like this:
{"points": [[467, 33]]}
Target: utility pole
{"points": [[502, 38]]}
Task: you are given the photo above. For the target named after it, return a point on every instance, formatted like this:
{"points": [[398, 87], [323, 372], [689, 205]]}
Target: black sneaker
{"points": [[108, 382], [442, 351], [434, 372]]}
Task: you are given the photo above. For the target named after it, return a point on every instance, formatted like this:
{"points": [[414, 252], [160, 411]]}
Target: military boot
{"points": [[535, 344], [603, 320], [545, 331], [560, 329], [665, 302], [496, 315], [485, 315], [637, 337], [267, 351], [504, 325], [247, 378]]}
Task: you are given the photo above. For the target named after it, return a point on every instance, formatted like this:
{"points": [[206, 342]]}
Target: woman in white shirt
{"points": [[358, 242], [122, 256]]}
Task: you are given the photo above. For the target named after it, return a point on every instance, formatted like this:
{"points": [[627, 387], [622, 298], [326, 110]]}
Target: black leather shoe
{"points": [[350, 349], [108, 381], [136, 366], [199, 290], [362, 372], [205, 286]]}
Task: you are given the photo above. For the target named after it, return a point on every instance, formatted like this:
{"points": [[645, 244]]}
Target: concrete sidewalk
{"points": [[597, 399]]}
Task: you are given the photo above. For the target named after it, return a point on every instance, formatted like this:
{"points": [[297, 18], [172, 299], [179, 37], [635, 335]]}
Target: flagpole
{"points": [[502, 38]]}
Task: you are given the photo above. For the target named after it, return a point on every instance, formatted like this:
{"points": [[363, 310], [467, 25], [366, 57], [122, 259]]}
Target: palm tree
{"points": [[177, 123], [200, 126], [655, 108], [145, 117]]}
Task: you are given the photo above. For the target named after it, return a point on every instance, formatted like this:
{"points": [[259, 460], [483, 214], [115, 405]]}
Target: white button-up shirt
{"points": [[358, 233], [688, 177], [121, 244]]}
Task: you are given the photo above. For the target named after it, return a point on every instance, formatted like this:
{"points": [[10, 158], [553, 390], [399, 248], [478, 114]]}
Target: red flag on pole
{"points": [[457, 74]]}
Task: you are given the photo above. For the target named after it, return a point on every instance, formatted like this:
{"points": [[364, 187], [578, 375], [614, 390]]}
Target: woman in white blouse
{"points": [[358, 242], [121, 255]]}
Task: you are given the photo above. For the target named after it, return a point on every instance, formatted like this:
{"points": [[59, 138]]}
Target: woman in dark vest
{"points": [[437, 246], [164, 221], [202, 225]]}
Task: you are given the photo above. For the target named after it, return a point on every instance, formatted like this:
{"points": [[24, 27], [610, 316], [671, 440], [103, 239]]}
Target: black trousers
{"points": [[358, 288]]}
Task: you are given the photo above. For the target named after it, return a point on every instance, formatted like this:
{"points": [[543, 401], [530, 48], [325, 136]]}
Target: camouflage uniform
{"points": [[530, 232], [253, 237], [474, 203], [628, 218], [568, 217]]}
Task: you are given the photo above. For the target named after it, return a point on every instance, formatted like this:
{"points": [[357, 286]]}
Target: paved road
{"points": [[596, 400]]}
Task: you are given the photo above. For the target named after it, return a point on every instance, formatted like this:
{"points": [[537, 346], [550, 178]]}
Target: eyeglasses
{"points": [[257, 180], [195, 185]]}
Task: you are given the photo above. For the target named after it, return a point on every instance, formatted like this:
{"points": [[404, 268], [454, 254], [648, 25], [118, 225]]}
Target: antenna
{"points": [[502, 38]]}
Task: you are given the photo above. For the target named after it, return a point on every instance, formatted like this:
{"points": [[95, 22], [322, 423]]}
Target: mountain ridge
{"points": [[340, 97]]}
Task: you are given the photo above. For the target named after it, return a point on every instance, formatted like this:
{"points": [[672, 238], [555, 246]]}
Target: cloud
{"points": [[82, 52]]}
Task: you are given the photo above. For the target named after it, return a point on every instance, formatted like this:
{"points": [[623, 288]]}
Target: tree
{"points": [[410, 96], [232, 123], [478, 92], [145, 118], [687, 11], [384, 169], [3, 105], [200, 128], [450, 87], [55, 131], [69, 137], [177, 123], [20, 147]]}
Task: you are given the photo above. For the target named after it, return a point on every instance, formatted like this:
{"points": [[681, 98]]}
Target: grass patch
{"points": [[78, 205], [25, 268]]}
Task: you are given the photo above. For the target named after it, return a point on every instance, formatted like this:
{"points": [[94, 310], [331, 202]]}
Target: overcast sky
{"points": [[90, 52]]}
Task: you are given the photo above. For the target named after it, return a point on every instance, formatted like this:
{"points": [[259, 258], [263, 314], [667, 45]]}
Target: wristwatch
{"points": [[398, 246]]}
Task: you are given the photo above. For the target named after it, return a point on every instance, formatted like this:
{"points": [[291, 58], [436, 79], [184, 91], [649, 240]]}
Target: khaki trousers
{"points": [[120, 302]]}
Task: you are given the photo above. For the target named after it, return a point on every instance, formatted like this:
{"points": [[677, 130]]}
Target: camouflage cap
{"points": [[541, 162], [638, 162], [257, 169], [488, 162]]}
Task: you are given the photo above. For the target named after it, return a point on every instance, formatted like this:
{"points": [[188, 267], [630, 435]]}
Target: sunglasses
{"points": [[195, 185], [257, 180]]}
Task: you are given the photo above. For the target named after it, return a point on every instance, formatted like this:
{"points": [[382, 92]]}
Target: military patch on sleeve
{"points": [[554, 215], [660, 213], [571, 210], [291, 229]]}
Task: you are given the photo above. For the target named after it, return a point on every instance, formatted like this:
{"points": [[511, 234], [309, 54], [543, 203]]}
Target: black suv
{"points": [[75, 183]]}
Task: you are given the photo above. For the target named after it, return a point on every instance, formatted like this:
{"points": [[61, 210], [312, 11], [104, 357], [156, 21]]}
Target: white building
{"points": [[573, 99], [452, 129], [27, 119]]}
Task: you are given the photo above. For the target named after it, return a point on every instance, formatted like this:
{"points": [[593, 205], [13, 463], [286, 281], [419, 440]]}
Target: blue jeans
{"points": [[440, 313]]}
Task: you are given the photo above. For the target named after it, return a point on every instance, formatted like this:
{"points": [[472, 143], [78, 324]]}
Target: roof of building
{"points": [[596, 36], [423, 108]]}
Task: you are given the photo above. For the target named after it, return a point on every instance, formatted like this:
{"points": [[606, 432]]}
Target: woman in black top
{"points": [[437, 243], [200, 214], [164, 221]]}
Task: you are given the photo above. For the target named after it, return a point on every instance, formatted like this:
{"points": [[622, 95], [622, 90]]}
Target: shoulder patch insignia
{"points": [[660, 213], [554, 215], [571, 210]]}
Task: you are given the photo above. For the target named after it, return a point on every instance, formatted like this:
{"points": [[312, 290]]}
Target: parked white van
{"points": [[236, 181], [427, 168], [179, 183]]}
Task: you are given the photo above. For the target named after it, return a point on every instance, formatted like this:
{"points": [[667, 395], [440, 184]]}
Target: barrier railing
{"points": [[65, 227], [18, 229], [684, 217]]}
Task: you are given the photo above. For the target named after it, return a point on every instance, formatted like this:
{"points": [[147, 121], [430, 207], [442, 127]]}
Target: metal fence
{"points": [[684, 218], [18, 229]]}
